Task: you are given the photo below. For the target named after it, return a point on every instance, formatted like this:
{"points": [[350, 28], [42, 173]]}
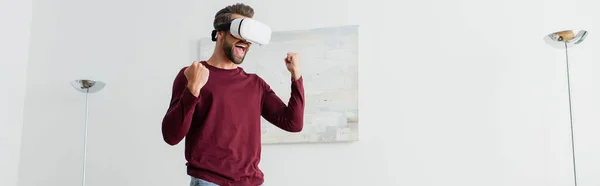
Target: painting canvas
{"points": [[329, 63]]}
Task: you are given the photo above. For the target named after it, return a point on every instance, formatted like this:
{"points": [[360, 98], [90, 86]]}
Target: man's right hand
{"points": [[197, 76]]}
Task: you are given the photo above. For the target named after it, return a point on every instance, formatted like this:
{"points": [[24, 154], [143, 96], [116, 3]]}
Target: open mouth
{"points": [[240, 49], [241, 46]]}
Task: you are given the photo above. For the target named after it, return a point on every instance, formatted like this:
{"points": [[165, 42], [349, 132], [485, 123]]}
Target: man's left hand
{"points": [[292, 62]]}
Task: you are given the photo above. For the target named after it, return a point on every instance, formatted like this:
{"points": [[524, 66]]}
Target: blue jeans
{"points": [[201, 182]]}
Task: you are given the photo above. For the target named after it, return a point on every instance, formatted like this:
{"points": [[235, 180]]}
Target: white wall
{"points": [[15, 22], [481, 100]]}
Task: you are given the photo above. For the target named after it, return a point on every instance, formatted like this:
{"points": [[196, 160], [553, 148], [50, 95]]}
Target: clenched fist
{"points": [[197, 76], [292, 62]]}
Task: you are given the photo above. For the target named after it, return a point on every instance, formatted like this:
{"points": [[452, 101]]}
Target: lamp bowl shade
{"points": [[569, 37], [88, 86]]}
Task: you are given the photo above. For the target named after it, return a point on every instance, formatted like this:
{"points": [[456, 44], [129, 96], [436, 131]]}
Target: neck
{"points": [[219, 60]]}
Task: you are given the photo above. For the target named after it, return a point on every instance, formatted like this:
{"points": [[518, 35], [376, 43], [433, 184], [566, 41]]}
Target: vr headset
{"points": [[246, 29]]}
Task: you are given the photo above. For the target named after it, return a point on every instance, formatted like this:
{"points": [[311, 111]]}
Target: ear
{"points": [[220, 35]]}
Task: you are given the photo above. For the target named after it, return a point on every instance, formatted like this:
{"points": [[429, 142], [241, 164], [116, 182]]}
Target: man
{"points": [[217, 107]]}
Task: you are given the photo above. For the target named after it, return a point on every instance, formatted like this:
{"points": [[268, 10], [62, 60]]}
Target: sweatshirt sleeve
{"points": [[177, 121], [289, 118]]}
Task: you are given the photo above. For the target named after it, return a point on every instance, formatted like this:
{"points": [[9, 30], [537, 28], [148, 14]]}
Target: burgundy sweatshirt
{"points": [[222, 125]]}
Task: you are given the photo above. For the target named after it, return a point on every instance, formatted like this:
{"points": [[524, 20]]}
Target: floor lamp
{"points": [[86, 86], [564, 40]]}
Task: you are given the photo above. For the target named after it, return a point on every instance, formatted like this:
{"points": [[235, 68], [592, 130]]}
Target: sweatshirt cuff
{"points": [[189, 99], [298, 84], [300, 80]]}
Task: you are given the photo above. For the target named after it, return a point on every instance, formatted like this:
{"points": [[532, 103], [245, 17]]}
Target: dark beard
{"points": [[228, 49]]}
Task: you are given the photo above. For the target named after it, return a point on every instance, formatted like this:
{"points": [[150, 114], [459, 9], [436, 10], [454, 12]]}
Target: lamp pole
{"points": [[564, 40], [86, 86]]}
